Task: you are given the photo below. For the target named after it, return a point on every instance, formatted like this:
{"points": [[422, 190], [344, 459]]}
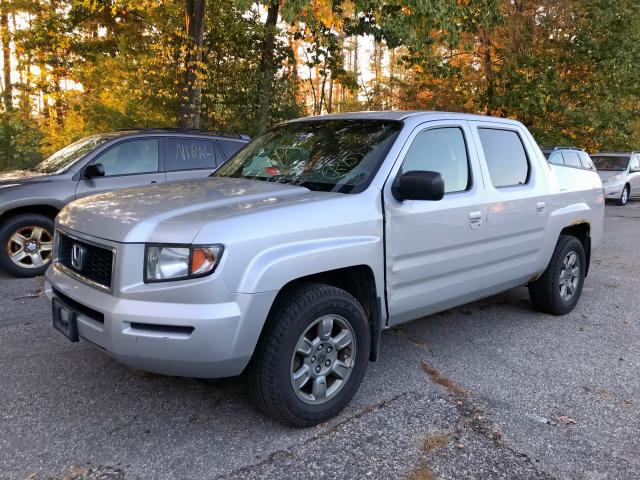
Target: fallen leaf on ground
{"points": [[564, 420]]}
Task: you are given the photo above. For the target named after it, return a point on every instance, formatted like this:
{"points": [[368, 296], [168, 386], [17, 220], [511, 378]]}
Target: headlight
{"points": [[180, 262], [614, 178]]}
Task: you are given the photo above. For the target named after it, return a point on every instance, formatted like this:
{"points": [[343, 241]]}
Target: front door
{"points": [[130, 163], [434, 249]]}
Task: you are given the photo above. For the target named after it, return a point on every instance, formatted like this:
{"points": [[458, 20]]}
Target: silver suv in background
{"points": [[620, 174], [30, 200], [300, 250], [571, 157]]}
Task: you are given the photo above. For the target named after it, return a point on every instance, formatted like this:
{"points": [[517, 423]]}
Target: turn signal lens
{"points": [[203, 259]]}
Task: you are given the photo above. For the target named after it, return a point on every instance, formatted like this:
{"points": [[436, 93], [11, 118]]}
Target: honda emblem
{"points": [[78, 254]]}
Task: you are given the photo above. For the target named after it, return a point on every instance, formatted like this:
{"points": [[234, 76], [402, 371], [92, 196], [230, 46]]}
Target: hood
{"points": [[604, 174], [22, 176], [175, 212]]}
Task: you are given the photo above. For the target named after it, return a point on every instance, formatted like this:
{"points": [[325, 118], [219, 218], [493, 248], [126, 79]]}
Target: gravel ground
{"points": [[488, 390]]}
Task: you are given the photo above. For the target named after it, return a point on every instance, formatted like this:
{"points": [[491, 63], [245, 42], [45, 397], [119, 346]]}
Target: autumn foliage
{"points": [[568, 70]]}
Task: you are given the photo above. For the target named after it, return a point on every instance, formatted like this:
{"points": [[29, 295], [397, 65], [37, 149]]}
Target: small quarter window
{"points": [[230, 147], [505, 156], [586, 161], [441, 150]]}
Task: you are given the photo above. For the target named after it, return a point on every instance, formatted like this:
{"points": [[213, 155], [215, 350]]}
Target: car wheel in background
{"points": [[26, 243], [312, 356], [624, 196], [559, 288]]}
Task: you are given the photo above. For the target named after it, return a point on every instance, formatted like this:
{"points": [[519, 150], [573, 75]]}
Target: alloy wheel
{"points": [[323, 359], [30, 247], [569, 276]]}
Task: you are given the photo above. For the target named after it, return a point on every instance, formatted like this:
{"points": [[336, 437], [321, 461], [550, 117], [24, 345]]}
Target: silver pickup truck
{"points": [[290, 261]]}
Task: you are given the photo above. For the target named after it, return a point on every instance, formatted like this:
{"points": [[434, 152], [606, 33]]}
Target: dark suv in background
{"points": [[30, 200]]}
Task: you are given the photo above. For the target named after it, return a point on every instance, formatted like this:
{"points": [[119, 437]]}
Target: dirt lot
{"points": [[488, 390]]}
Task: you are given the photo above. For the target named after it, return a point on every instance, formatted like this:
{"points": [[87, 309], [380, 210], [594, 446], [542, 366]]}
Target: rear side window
{"points": [[441, 150], [130, 158], [230, 147], [189, 154], [571, 159], [506, 157]]}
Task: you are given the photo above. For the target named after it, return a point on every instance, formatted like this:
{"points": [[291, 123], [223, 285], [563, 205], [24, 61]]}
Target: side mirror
{"points": [[94, 170], [418, 185]]}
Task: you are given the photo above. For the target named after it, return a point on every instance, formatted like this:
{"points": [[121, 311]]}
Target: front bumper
{"points": [[211, 339], [613, 191]]}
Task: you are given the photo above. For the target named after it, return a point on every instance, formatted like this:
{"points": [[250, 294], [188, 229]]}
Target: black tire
{"points": [[270, 373], [545, 293], [16, 224], [624, 197]]}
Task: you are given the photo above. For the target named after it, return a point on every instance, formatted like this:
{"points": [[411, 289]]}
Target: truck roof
{"points": [[406, 114]]}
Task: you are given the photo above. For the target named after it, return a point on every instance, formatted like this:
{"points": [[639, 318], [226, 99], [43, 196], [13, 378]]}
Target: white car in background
{"points": [[620, 174]]}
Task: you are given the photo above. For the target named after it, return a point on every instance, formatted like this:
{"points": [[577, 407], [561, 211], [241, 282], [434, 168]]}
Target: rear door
{"points": [[129, 163], [189, 157], [516, 202], [434, 249]]}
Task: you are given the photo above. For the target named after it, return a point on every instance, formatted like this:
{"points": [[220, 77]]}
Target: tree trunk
{"points": [[488, 72], [191, 88], [7, 93], [267, 66]]}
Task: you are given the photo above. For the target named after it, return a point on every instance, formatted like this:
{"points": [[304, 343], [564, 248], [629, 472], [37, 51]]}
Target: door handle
{"points": [[153, 181], [475, 219], [540, 207]]}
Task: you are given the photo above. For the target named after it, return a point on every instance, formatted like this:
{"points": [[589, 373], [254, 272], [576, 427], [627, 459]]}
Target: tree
{"points": [[267, 66], [192, 78], [6, 57]]}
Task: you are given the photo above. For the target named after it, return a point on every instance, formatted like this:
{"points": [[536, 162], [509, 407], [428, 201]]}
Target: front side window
{"points": [[505, 156], [635, 164], [441, 150], [322, 155], [189, 154], [130, 158]]}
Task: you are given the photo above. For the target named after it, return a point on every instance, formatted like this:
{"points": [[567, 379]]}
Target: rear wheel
{"points": [[559, 288], [312, 357], [624, 196], [26, 245]]}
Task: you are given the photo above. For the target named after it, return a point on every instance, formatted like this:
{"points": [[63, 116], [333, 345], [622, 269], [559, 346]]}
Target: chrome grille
{"points": [[96, 263]]}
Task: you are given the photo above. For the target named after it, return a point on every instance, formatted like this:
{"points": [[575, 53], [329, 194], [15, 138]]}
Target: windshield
{"points": [[608, 162], [323, 155], [61, 160]]}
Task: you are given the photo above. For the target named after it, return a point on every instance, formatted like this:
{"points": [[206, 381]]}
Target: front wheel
{"points": [[624, 196], [313, 355], [27, 245], [559, 288]]}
